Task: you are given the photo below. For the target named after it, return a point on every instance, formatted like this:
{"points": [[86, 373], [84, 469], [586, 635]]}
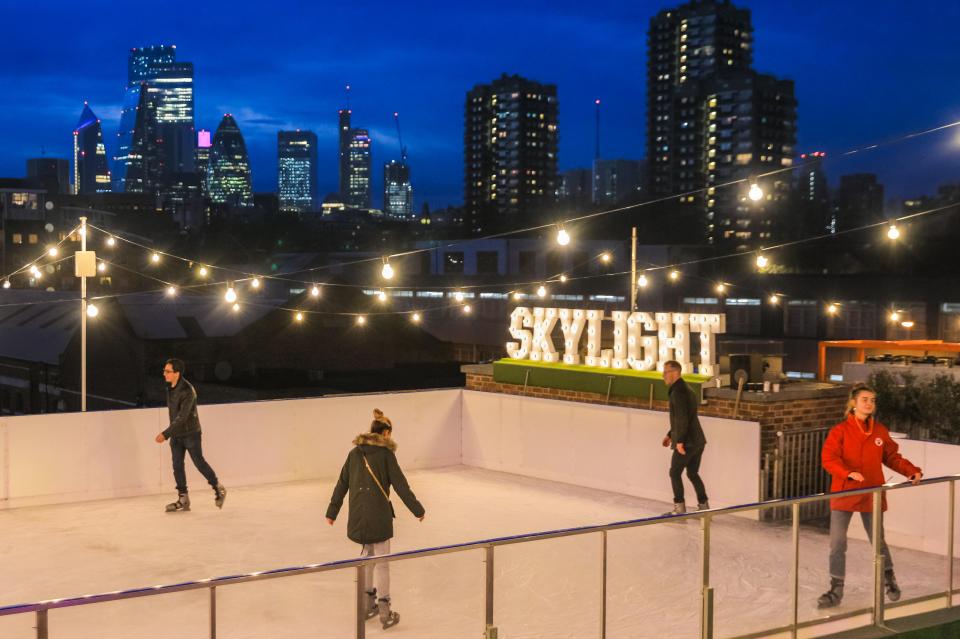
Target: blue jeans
{"points": [[179, 446], [839, 523]]}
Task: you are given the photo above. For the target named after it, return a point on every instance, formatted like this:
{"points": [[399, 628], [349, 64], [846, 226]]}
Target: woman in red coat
{"points": [[854, 454]]}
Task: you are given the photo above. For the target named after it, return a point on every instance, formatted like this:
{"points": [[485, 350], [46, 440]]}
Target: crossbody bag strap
{"points": [[379, 485]]}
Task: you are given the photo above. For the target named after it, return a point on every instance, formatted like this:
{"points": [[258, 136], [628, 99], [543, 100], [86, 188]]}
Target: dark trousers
{"points": [[179, 446], [690, 462]]}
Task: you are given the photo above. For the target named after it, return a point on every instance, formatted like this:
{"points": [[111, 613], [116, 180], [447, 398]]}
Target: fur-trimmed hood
{"points": [[374, 439]]}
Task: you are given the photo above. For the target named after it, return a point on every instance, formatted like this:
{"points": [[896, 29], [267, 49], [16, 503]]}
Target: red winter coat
{"points": [[855, 446]]}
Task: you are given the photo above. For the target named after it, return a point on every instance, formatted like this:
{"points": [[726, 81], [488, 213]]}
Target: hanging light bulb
{"points": [[517, 296], [387, 270], [155, 258], [674, 275], [893, 232], [382, 296], [203, 271], [34, 270], [774, 299], [907, 324], [832, 309], [230, 295], [458, 296], [415, 318], [361, 320], [762, 260], [171, 290], [315, 291], [52, 251], [467, 309], [255, 282], [721, 287], [102, 267], [563, 278], [111, 242], [605, 257], [642, 280], [755, 193], [542, 291], [92, 310], [894, 316], [563, 238], [298, 317], [6, 283], [236, 307]]}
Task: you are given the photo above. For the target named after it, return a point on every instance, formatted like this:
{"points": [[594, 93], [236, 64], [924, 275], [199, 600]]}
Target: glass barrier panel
{"points": [[654, 581], [548, 588], [19, 626], [181, 614]]}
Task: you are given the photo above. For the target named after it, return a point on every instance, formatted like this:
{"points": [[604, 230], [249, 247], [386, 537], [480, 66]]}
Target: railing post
{"points": [[213, 612], [489, 630], [877, 534], [795, 571], [41, 624], [706, 612], [951, 513], [361, 602], [603, 584]]}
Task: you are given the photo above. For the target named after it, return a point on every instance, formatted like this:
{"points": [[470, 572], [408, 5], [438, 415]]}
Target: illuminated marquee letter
{"points": [[620, 354], [641, 349], [572, 323], [544, 319], [519, 318], [594, 322], [709, 326], [674, 338]]}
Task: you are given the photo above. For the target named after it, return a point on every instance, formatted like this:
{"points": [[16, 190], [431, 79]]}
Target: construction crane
{"points": [[403, 149]]}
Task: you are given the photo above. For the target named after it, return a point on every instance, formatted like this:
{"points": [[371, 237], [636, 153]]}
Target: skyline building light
{"points": [[359, 161], [228, 177], [297, 171], [510, 152], [90, 171]]}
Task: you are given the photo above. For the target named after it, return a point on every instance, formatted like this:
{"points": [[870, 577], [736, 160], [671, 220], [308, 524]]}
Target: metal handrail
{"points": [[41, 608]]}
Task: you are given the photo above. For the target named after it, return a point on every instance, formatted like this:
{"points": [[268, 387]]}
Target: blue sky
{"points": [[865, 72]]}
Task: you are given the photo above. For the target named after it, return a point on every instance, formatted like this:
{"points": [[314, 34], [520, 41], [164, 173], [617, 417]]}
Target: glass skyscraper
{"points": [[90, 171], [169, 87], [297, 171], [228, 176], [359, 163], [397, 190]]}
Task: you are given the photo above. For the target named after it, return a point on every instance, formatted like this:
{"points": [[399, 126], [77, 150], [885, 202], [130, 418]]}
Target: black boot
{"points": [[893, 590], [182, 504], [832, 597]]}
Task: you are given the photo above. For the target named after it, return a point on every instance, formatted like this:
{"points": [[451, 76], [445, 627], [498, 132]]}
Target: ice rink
{"points": [[543, 589]]}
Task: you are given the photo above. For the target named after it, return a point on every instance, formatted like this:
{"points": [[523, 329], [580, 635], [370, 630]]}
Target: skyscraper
{"points": [[202, 158], [510, 152], [90, 172], [711, 119], [297, 171], [228, 177], [154, 77], [397, 190], [359, 162], [813, 196], [343, 125]]}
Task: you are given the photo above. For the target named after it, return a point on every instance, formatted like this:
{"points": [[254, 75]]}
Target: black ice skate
{"points": [[372, 607], [832, 597], [387, 618], [182, 504], [220, 495], [893, 590]]}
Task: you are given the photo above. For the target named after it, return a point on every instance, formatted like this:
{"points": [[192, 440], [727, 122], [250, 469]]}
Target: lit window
{"points": [[32, 238], [17, 238]]}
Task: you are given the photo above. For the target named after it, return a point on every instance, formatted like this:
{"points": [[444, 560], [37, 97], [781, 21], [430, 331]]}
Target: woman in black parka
{"points": [[369, 472]]}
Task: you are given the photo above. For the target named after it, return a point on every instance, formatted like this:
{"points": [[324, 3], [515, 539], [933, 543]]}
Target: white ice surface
{"points": [[544, 589]]}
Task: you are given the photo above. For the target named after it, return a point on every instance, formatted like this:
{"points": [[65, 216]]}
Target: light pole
{"points": [[85, 265]]}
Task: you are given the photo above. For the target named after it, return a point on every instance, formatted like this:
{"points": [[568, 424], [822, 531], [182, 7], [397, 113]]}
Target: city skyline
{"points": [[833, 55]]}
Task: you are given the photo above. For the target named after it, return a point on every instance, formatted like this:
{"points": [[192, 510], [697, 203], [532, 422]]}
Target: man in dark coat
{"points": [[185, 436], [685, 437], [369, 472]]}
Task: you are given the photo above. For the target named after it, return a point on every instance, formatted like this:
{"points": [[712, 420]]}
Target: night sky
{"points": [[865, 71]]}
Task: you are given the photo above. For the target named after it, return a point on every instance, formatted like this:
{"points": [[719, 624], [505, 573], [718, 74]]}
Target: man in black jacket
{"points": [[685, 437], [369, 472], [184, 435]]}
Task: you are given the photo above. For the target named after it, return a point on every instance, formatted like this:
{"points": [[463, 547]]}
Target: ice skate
{"points": [[182, 504], [832, 597], [704, 506], [678, 509], [220, 495], [387, 617], [372, 607], [891, 587]]}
